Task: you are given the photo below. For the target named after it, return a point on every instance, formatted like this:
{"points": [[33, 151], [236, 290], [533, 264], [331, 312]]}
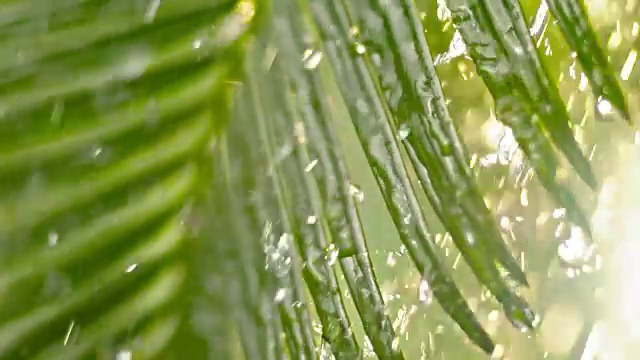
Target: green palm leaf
{"points": [[154, 201], [107, 109], [574, 23]]}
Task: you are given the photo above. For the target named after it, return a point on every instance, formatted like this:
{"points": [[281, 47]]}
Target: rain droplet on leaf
{"points": [[403, 131], [356, 192], [498, 352], [520, 317], [150, 14], [576, 250], [124, 354], [425, 293], [604, 109], [391, 259], [558, 213], [311, 59], [332, 255], [278, 257], [280, 295], [52, 238]]}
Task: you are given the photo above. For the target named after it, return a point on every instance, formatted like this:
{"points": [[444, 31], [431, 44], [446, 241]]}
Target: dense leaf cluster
{"points": [[162, 190]]}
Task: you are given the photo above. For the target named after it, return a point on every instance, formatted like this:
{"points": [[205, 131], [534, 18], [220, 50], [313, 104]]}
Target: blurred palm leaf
{"points": [[123, 231], [107, 111]]}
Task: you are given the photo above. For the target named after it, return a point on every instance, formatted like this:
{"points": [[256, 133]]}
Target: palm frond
{"points": [[386, 77], [574, 23], [164, 195], [106, 116]]}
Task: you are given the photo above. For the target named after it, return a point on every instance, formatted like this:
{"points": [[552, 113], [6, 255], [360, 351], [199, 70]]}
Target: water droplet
{"points": [[604, 106], [425, 293], [518, 50], [311, 59], [150, 14], [278, 257], [457, 48], [572, 70], [281, 294], [134, 64], [629, 64], [576, 250], [326, 352], [604, 109], [376, 59], [403, 250], [498, 352], [442, 12], [356, 192], [563, 231], [540, 21], [391, 259], [520, 317], [507, 146], [505, 223], [70, 333], [367, 348], [518, 324], [524, 197], [312, 219], [469, 237], [332, 255], [131, 268], [311, 165], [558, 213], [403, 131], [124, 354], [197, 43], [299, 132], [360, 48], [52, 238], [96, 154], [96, 151], [395, 344]]}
